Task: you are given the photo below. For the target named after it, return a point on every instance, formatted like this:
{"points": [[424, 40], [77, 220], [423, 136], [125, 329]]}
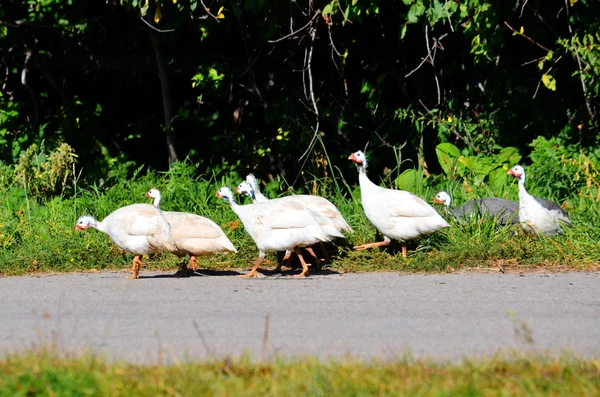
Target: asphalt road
{"points": [[386, 315]]}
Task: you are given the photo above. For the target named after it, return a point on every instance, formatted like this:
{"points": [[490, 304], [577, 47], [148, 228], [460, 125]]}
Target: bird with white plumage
{"points": [[397, 214], [538, 215]]}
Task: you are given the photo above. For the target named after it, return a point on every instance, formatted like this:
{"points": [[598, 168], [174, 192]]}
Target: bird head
{"points": [[442, 198]]}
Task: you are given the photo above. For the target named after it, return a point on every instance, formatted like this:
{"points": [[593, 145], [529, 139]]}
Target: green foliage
{"points": [[47, 373], [44, 175], [480, 169]]}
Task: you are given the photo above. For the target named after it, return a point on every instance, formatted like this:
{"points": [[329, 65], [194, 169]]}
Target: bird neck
{"points": [[363, 179], [157, 199], [101, 226], [259, 197], [522, 191]]}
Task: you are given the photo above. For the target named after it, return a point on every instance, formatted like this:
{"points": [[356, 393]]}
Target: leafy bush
{"points": [[46, 175]]}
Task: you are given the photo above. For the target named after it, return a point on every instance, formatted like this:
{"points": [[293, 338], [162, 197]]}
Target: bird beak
{"points": [[437, 201], [77, 227], [237, 190], [353, 158], [511, 172], [147, 195], [219, 195]]}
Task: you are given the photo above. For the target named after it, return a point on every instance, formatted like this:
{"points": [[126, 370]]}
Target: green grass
{"points": [[45, 372], [38, 235]]}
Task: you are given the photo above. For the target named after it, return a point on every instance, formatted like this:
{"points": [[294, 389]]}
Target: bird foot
{"points": [[132, 277], [362, 247]]}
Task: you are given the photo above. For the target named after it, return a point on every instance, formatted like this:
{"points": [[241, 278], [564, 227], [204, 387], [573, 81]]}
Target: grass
{"points": [[38, 234], [45, 372]]}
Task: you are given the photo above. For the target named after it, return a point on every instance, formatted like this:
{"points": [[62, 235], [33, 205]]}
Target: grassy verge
{"points": [[46, 373], [37, 235]]}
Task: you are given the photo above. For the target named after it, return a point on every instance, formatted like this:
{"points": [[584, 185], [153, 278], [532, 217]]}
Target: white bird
{"points": [[277, 226], [320, 205], [138, 229], [538, 215], [397, 214], [194, 235], [504, 211], [321, 213]]}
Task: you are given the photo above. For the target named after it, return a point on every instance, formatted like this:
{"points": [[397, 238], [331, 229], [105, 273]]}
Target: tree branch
{"points": [[527, 37], [585, 96], [155, 28], [297, 31]]}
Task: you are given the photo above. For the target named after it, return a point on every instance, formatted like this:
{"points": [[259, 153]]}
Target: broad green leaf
{"points": [[509, 155], [549, 82], [407, 181], [497, 179], [447, 155], [415, 11], [328, 9]]}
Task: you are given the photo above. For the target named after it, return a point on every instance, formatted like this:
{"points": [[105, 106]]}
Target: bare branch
{"points": [[527, 37], [587, 102], [313, 35], [429, 51], [297, 31], [155, 28], [28, 54], [5, 75], [448, 15], [546, 72], [208, 11], [523, 8]]}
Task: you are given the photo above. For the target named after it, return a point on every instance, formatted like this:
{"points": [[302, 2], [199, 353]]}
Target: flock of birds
{"points": [[306, 221]]}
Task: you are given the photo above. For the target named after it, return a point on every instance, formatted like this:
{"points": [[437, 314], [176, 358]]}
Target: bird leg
{"points": [[193, 263], [135, 267], [404, 250], [256, 263], [324, 251], [304, 265], [277, 268], [312, 253], [369, 245]]}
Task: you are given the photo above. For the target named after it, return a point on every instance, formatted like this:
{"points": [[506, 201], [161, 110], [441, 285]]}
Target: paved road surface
{"points": [[365, 315]]}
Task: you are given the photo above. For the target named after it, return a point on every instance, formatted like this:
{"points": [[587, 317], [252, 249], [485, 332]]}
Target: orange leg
{"points": [[135, 267], [369, 245], [312, 253], [404, 250], [193, 263], [257, 263], [277, 268], [304, 265]]}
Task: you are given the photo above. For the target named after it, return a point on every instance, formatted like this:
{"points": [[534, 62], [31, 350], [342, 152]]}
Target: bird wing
{"points": [[146, 220], [551, 206], [186, 225], [283, 215], [399, 203]]}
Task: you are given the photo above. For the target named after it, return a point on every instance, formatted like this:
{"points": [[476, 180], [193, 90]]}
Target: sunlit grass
{"points": [[45, 372], [40, 236]]}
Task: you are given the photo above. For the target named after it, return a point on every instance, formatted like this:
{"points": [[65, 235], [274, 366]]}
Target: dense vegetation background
{"points": [[249, 84], [100, 100]]}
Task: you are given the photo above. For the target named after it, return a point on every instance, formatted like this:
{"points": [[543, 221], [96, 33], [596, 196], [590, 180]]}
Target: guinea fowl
{"points": [[397, 214], [504, 211], [328, 216], [277, 226], [538, 215], [320, 205], [194, 235], [138, 229]]}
